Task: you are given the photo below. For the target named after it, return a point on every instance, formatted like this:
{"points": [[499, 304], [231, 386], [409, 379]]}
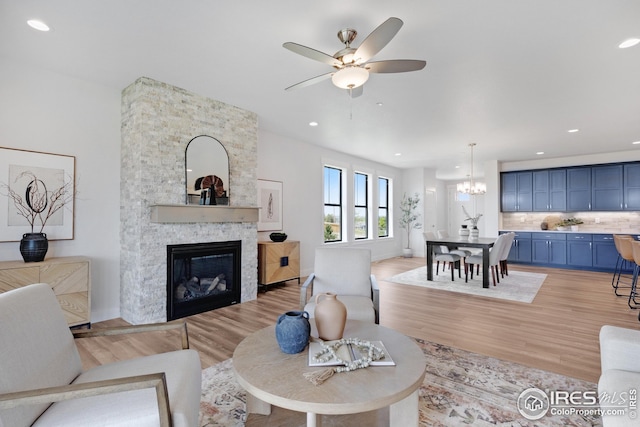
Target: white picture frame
{"points": [[53, 169], [270, 204]]}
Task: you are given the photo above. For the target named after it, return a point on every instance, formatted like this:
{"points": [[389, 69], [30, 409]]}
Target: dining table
{"points": [[484, 243]]}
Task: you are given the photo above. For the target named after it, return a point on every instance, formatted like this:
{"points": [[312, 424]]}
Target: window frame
{"points": [[340, 205], [387, 208], [366, 206]]}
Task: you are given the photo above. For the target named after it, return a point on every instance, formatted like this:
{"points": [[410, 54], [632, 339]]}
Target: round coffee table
{"points": [[272, 377]]}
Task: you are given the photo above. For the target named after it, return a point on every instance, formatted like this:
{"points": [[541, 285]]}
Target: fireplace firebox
{"points": [[202, 277]]}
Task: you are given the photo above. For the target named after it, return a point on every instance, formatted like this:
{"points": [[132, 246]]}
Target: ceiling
{"points": [[512, 76]]}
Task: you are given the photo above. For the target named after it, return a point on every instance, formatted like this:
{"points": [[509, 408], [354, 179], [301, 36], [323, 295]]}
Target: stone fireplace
{"points": [[158, 120]]}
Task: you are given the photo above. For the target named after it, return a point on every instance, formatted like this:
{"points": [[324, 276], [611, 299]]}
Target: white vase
{"points": [[407, 253], [475, 233], [464, 233], [574, 228]]}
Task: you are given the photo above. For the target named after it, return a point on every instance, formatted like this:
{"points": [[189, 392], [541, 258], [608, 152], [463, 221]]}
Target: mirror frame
{"points": [[216, 151]]}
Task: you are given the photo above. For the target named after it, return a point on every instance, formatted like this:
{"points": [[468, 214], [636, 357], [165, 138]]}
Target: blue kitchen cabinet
{"points": [[550, 190], [607, 188], [632, 186], [520, 248], [549, 248], [605, 254], [579, 250], [578, 189], [516, 190]]}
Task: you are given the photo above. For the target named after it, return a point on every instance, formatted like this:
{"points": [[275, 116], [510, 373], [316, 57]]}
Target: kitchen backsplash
{"points": [[595, 222]]}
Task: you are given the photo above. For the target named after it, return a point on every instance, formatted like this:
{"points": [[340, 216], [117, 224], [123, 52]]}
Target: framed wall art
{"points": [[270, 204], [37, 194]]}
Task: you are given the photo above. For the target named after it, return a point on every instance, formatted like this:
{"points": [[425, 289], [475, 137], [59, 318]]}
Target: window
{"points": [[332, 204], [361, 204], [383, 207]]}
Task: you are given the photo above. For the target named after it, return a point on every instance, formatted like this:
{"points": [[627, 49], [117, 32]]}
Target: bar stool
{"points": [[635, 245], [625, 258]]}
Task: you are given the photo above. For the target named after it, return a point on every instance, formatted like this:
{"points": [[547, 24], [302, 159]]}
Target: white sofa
{"points": [[620, 378], [37, 351]]}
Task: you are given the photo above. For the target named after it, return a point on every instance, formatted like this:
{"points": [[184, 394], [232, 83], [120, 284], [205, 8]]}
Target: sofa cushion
{"points": [[37, 348], [135, 408], [613, 389]]}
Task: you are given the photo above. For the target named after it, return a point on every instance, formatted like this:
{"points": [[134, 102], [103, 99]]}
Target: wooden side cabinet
{"points": [[70, 278], [278, 262]]}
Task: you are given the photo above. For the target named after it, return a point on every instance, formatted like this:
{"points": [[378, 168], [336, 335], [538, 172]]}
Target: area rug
{"points": [[517, 286], [460, 389]]}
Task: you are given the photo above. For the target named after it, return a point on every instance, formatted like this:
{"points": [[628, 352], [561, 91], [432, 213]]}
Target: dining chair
{"points": [[441, 253], [444, 234], [495, 254], [506, 248]]}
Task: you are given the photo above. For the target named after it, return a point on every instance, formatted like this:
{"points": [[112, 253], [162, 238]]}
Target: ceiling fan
{"points": [[351, 64]]}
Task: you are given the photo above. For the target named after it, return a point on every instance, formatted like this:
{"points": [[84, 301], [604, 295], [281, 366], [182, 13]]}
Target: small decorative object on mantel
{"points": [[38, 206], [278, 237], [293, 331], [330, 315]]}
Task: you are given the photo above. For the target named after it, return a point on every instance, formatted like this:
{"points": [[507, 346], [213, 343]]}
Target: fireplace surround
{"points": [[158, 121]]}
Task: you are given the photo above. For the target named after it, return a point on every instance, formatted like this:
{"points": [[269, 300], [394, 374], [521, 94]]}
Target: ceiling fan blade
{"points": [[356, 91], [316, 55], [377, 39], [395, 66], [310, 81]]}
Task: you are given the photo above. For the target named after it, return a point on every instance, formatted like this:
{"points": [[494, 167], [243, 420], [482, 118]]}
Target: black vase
{"points": [[34, 246]]}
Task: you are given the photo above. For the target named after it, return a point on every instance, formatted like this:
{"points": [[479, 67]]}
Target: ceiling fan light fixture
{"points": [[350, 77]]}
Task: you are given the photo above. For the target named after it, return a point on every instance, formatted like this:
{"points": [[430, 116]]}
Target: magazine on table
{"points": [[348, 353]]}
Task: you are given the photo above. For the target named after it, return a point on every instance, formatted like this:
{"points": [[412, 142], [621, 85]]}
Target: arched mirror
{"points": [[207, 172]]}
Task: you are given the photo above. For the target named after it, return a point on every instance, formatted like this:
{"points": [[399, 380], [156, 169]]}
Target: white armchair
{"points": [[620, 367], [40, 364], [347, 273]]}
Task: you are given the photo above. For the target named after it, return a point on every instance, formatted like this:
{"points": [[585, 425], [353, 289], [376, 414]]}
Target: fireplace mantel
{"points": [[172, 214]]}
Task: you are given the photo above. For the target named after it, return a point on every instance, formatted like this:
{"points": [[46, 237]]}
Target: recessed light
{"points": [[540, 153], [457, 166], [313, 123], [379, 104], [398, 154], [636, 142], [628, 43], [38, 25], [573, 130]]}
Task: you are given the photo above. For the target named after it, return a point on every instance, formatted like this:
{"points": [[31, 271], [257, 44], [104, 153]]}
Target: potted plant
{"points": [[572, 223], [409, 218], [37, 206]]}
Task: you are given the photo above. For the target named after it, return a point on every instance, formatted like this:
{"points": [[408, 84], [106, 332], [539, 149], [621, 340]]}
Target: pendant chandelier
{"points": [[471, 187]]}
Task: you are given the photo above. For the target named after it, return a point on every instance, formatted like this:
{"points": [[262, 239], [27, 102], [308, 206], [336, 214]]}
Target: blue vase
{"points": [[292, 331]]}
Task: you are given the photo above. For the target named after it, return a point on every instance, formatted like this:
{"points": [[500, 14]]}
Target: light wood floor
{"points": [[558, 332]]}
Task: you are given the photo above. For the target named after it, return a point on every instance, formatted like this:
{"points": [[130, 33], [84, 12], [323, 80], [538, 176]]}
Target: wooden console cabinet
{"points": [[70, 278], [278, 262]]}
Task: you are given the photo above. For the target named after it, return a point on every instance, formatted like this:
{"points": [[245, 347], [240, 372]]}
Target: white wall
{"points": [[48, 112], [298, 166]]}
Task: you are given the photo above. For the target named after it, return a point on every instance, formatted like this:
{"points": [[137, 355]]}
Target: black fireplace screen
{"points": [[202, 277]]}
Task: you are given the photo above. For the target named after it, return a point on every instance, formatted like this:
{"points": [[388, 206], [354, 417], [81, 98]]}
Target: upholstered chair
{"points": [[345, 272], [40, 364]]}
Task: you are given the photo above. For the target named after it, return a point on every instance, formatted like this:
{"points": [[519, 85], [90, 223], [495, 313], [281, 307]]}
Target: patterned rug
{"points": [[460, 388], [517, 286]]}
